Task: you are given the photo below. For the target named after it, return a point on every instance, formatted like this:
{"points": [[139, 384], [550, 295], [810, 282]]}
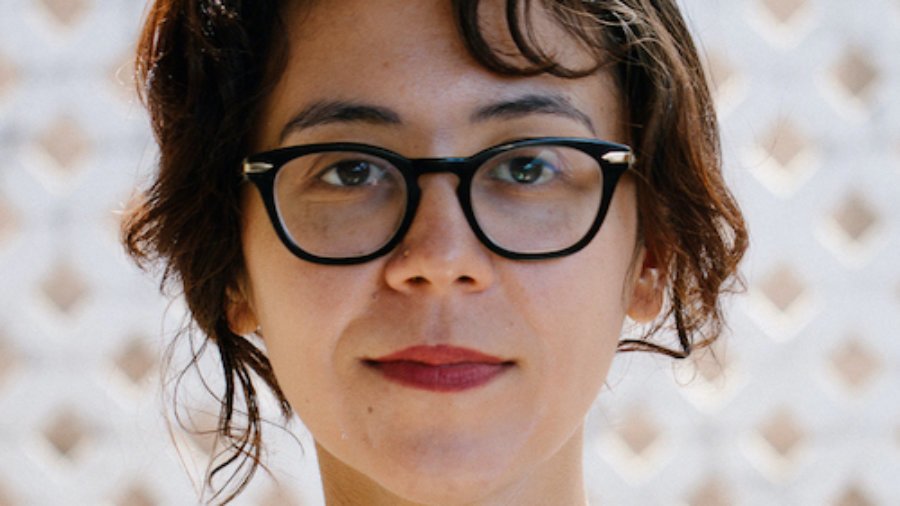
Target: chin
{"points": [[443, 474]]}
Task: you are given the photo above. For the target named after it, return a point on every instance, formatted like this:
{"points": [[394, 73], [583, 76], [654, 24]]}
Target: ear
{"points": [[239, 312], [647, 287]]}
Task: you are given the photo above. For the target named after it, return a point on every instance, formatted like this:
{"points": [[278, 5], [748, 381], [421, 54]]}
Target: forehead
{"points": [[410, 57]]}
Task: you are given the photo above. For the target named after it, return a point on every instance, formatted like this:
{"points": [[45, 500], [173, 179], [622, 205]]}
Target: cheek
{"points": [[286, 290], [303, 317], [300, 312], [577, 312], [578, 303]]}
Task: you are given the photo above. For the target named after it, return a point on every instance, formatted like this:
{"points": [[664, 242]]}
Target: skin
{"points": [[518, 439]]}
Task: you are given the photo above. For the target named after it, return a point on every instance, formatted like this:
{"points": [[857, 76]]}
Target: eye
{"points": [[353, 173], [526, 170]]}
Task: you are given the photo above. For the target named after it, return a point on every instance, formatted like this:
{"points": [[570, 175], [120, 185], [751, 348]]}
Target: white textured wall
{"points": [[805, 411]]}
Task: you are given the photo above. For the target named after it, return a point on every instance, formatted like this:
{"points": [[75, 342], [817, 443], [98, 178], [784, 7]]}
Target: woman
{"points": [[429, 214]]}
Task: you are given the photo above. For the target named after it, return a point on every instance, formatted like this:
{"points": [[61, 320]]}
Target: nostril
{"points": [[468, 280], [418, 280]]}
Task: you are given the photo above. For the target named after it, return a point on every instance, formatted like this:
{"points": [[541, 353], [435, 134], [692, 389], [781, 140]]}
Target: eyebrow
{"points": [[324, 112], [339, 111], [533, 104]]}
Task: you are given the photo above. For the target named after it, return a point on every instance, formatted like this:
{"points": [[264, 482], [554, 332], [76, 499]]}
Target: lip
{"points": [[440, 368]]}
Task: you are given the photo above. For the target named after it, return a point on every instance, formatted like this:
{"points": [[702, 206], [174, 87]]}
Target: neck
{"points": [[557, 480]]}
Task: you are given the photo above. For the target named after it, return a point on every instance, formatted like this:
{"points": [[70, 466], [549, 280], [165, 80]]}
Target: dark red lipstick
{"points": [[440, 368]]}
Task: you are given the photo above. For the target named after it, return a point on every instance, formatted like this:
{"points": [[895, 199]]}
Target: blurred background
{"points": [[800, 407]]}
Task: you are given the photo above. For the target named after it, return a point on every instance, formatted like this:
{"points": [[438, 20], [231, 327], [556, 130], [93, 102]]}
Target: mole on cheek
{"points": [[370, 410]]}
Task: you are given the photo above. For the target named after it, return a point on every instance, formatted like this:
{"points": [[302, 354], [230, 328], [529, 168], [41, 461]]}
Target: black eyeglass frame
{"points": [[262, 168]]}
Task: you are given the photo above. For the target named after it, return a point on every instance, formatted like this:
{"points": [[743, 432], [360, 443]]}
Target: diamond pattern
{"points": [[855, 364], [639, 432], [712, 492], [784, 11], [722, 75], [65, 432], [784, 157], [856, 74], [65, 143], [783, 288], [855, 217], [137, 495], [854, 496], [136, 360], [204, 435], [66, 12], [64, 287], [720, 70], [711, 363], [782, 433], [786, 144]]}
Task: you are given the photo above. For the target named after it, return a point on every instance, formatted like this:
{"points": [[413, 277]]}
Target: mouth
{"points": [[440, 368]]}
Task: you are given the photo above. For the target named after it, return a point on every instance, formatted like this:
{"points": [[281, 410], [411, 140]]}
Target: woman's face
{"points": [[481, 430]]}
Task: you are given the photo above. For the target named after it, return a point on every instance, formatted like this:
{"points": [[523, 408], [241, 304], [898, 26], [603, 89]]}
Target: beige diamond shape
{"points": [[855, 364], [64, 287], [638, 431], [855, 73], [853, 496], [65, 142], [66, 12], [782, 433], [136, 359], [710, 363], [720, 70], [855, 217], [136, 495], [712, 492], [66, 432], [784, 11], [203, 429], [784, 156], [785, 143], [783, 288]]}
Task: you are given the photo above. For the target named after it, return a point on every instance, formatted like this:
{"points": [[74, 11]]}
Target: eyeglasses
{"points": [[347, 203]]}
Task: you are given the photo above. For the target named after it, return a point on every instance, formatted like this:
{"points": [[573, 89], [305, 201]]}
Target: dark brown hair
{"points": [[204, 68]]}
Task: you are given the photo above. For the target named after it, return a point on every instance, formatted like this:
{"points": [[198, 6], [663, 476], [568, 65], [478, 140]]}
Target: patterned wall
{"points": [[802, 411]]}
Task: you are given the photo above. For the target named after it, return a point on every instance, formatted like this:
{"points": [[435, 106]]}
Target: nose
{"points": [[440, 253]]}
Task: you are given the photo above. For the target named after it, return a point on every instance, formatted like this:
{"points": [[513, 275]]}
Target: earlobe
{"points": [[646, 291], [241, 317]]}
